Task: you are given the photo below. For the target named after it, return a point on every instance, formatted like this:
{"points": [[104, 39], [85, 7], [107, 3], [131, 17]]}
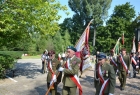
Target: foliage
{"points": [[14, 54], [119, 22], [20, 19], [6, 62]]}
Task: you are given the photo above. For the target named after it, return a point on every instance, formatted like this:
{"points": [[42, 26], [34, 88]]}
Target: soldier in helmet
{"points": [[105, 80], [53, 65]]}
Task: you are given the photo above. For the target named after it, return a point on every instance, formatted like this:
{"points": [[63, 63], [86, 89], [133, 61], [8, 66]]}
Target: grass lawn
{"points": [[32, 57]]}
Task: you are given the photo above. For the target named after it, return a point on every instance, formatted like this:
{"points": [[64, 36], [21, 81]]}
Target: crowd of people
{"points": [[106, 69]]}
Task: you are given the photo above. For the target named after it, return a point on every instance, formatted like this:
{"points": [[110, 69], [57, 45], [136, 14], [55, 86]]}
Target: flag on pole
{"points": [[133, 45], [123, 39], [117, 47], [83, 49]]}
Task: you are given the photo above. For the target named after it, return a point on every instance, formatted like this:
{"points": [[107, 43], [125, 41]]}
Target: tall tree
{"points": [[85, 10], [120, 22], [22, 18]]}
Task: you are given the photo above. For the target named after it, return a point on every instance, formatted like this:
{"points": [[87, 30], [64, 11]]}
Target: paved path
{"points": [[30, 81]]}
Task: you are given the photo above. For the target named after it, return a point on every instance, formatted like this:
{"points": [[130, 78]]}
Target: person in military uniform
{"points": [[113, 60], [123, 61], [71, 68], [53, 65], [105, 77], [134, 63]]}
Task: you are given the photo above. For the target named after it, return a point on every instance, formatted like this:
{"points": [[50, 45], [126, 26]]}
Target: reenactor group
{"points": [[106, 70]]}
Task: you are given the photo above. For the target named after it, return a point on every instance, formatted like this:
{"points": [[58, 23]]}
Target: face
{"points": [[124, 52], [101, 61], [70, 53], [51, 56]]}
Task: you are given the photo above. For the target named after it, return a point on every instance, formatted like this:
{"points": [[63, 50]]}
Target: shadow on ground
{"points": [[30, 70]]}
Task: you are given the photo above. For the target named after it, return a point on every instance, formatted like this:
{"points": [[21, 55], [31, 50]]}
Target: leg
{"points": [[73, 90], [124, 75], [120, 78], [65, 90], [42, 66]]}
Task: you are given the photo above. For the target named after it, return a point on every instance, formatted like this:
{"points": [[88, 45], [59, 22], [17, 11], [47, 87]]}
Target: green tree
{"points": [[21, 18], [85, 10], [120, 21]]}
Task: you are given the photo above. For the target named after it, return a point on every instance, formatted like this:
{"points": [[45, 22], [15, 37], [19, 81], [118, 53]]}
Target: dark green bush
{"points": [[14, 54], [6, 62]]}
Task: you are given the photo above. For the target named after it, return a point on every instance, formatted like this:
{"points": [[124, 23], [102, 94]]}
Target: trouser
{"points": [[54, 89], [134, 72], [43, 67], [122, 78], [69, 90]]}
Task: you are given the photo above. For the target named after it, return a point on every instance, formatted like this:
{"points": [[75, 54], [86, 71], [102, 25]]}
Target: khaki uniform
{"points": [[107, 72], [69, 87], [122, 72], [55, 65], [115, 60]]}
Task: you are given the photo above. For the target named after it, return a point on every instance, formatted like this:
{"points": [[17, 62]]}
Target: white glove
{"points": [[53, 79], [61, 69], [111, 94], [128, 71], [137, 67]]}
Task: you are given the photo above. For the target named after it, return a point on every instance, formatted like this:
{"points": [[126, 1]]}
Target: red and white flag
{"points": [[83, 49], [133, 46]]}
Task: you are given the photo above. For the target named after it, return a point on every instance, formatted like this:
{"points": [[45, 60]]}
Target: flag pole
{"points": [[85, 30]]}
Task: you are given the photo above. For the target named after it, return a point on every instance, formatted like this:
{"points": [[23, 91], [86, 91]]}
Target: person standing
{"points": [[71, 68], [113, 60], [43, 58], [53, 65], [105, 80], [134, 63], [123, 68]]}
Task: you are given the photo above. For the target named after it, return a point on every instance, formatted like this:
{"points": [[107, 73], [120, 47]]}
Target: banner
{"points": [[133, 45], [83, 49]]}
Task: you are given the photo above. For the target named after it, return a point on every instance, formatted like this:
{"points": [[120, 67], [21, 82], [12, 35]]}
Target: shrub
{"points": [[6, 62]]}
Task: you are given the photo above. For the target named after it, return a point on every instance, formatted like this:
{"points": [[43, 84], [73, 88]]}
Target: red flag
{"points": [[123, 39]]}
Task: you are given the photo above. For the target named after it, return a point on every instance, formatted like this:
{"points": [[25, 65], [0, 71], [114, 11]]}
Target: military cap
{"points": [[101, 56], [112, 50], [51, 52], [72, 48]]}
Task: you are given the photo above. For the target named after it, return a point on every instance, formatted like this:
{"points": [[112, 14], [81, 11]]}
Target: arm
{"points": [[74, 68], [112, 82]]}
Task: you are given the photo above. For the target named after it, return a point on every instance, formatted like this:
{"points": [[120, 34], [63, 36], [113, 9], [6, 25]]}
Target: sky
{"points": [[135, 3]]}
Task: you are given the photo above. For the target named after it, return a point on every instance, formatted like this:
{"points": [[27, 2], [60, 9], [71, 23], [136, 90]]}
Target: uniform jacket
{"points": [[137, 60], [108, 72], [55, 65], [126, 59], [74, 63]]}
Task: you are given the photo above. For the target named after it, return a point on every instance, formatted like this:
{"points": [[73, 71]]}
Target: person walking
{"points": [[71, 68], [105, 77], [123, 68], [134, 63], [53, 65], [43, 58], [113, 60]]}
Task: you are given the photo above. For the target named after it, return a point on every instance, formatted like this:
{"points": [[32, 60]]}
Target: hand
{"points": [[111, 94], [137, 67], [54, 78], [128, 71], [61, 69]]}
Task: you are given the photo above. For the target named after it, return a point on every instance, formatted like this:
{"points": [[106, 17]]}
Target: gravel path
{"points": [[30, 81]]}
